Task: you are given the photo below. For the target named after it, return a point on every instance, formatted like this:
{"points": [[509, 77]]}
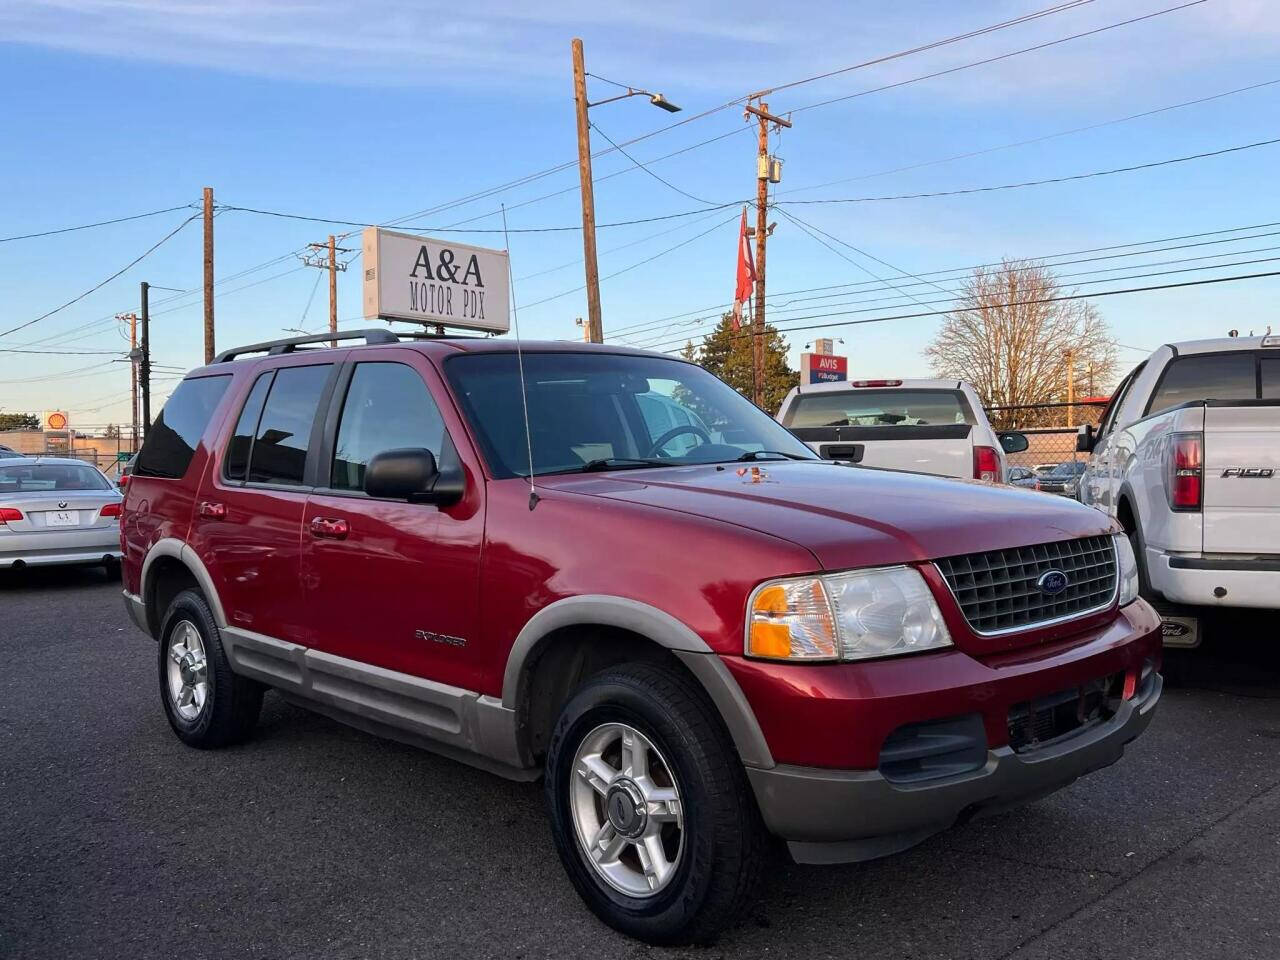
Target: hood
{"points": [[850, 516]]}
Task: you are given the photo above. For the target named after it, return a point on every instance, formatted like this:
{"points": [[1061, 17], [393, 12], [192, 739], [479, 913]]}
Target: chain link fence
{"points": [[1050, 429]]}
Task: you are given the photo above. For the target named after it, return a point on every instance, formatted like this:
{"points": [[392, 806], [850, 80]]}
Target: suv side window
{"points": [[177, 430], [279, 452], [387, 407], [1206, 376], [1122, 391], [235, 465]]}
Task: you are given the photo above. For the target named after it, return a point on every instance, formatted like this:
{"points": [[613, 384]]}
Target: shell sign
{"points": [[56, 420]]}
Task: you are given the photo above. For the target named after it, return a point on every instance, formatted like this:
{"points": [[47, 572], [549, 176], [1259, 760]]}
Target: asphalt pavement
{"points": [[314, 840]]}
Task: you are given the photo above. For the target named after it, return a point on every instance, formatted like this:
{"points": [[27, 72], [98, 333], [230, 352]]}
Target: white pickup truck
{"points": [[925, 426], [1187, 458]]}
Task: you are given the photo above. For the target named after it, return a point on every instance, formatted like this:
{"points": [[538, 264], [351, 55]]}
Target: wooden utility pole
{"points": [[595, 329], [1069, 355], [144, 363], [208, 274], [133, 379], [764, 174], [325, 257]]}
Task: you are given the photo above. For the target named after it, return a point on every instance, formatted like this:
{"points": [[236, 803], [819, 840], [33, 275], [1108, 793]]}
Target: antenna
{"points": [[524, 390]]}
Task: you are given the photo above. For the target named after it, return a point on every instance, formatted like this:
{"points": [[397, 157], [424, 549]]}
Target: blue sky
{"points": [[378, 110]]}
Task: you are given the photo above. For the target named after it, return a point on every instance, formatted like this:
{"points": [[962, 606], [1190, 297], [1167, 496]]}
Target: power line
{"points": [[150, 250], [637, 163], [100, 223], [1037, 183]]}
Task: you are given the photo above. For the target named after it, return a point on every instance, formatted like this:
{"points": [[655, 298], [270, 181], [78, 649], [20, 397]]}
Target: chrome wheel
{"points": [[188, 671], [626, 810]]}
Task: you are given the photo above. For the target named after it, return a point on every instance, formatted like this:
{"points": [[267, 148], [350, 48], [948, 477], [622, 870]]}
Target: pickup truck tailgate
{"points": [[1242, 479], [945, 449]]}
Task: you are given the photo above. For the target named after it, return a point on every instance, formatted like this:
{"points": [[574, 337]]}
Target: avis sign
{"points": [[823, 368], [408, 277]]}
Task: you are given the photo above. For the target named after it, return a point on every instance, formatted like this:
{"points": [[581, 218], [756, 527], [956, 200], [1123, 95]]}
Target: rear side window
{"points": [[1270, 371], [235, 465], [177, 430], [279, 453], [387, 407], [879, 408], [1206, 376]]}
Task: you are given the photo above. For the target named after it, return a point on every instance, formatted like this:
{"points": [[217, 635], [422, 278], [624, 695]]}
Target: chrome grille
{"points": [[998, 591]]}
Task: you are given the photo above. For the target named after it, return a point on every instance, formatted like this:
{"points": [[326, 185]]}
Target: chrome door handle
{"points": [[328, 528]]}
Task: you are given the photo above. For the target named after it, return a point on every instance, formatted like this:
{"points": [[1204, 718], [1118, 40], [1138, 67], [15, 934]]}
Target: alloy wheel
{"points": [[188, 671]]}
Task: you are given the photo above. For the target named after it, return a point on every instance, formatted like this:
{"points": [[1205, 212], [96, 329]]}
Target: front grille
{"points": [[998, 590]]}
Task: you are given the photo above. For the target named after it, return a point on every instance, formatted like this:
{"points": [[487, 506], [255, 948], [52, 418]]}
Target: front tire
{"points": [[207, 705], [650, 809]]}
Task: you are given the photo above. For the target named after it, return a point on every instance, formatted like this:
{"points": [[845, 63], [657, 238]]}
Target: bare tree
{"points": [[1013, 341]]}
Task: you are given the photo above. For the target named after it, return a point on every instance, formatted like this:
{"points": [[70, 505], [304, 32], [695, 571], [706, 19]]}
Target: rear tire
{"points": [[207, 705], [713, 854]]}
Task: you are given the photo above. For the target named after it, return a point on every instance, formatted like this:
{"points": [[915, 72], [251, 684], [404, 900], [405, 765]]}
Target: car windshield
{"points": [[609, 411], [861, 407], [28, 477], [1069, 469]]}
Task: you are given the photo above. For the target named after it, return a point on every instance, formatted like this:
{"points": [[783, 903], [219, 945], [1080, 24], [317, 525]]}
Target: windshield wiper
{"points": [[623, 463], [757, 454]]}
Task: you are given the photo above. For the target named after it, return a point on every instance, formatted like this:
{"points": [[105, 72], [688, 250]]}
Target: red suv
{"points": [[606, 568]]}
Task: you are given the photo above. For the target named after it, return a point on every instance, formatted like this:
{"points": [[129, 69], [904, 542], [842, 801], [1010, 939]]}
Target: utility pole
{"points": [[208, 274], [595, 329], [144, 364], [766, 172], [133, 378], [325, 257], [1069, 355]]}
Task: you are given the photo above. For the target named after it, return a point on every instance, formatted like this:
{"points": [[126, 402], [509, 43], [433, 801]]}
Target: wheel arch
{"points": [[171, 566], [572, 638]]}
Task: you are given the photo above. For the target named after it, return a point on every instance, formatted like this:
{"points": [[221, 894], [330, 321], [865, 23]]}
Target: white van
{"points": [[927, 426]]}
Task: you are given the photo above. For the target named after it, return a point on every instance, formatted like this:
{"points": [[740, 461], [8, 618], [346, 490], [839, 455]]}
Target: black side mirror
{"points": [[411, 474], [1013, 442], [1085, 438]]}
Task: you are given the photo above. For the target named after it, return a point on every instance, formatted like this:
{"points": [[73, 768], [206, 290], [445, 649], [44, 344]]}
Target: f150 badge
{"points": [[439, 638], [1249, 473]]}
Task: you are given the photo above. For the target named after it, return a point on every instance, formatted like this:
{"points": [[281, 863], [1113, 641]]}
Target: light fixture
{"points": [[658, 100]]}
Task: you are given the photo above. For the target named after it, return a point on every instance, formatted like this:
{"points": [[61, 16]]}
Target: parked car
{"points": [[1044, 469], [694, 646], [1064, 479], [7, 453], [1021, 477], [1187, 459], [926, 426], [56, 510]]}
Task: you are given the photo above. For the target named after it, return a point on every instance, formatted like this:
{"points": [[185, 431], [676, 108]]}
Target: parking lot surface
{"points": [[315, 840]]}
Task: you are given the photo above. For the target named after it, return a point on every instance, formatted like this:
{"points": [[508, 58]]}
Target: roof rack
{"points": [[370, 336]]}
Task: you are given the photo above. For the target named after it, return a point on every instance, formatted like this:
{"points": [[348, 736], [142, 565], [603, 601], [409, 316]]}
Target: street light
{"points": [[595, 329]]}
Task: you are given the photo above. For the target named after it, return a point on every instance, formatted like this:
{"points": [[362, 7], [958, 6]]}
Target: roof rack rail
{"points": [[370, 336]]}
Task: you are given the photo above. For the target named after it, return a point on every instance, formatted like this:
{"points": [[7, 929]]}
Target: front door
{"points": [[386, 582]]}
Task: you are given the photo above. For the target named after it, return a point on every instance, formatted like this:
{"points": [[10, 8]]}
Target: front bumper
{"points": [[1194, 580], [838, 816]]}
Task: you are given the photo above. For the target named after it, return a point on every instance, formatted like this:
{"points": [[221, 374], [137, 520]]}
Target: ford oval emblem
{"points": [[1052, 582]]}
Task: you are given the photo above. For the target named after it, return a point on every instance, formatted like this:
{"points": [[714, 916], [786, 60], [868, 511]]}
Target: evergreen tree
{"points": [[727, 353]]}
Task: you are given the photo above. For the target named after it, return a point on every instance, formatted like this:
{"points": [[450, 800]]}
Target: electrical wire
{"points": [[665, 183], [100, 223]]}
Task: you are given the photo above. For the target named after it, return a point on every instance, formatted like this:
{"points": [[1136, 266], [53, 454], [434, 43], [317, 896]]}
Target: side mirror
{"points": [[1013, 442], [1085, 439], [410, 474]]}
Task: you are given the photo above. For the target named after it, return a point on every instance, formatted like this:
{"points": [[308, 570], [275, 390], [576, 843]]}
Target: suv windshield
{"points": [[1068, 469], [879, 408], [604, 411]]}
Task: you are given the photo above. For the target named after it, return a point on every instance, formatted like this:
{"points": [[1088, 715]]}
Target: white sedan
{"points": [[57, 510]]}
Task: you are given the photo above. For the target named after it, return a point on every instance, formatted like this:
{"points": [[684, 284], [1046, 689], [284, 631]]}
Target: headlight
{"points": [[1126, 569], [845, 616]]}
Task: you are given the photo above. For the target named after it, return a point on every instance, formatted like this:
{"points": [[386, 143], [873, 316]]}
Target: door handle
{"points": [[213, 511], [327, 528]]}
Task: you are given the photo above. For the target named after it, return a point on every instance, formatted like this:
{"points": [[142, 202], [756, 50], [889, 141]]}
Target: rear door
{"points": [[921, 429]]}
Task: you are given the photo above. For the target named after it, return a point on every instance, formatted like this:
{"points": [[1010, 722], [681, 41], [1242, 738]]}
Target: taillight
{"points": [[9, 513], [876, 383], [1184, 478], [986, 464], [122, 481], [110, 510]]}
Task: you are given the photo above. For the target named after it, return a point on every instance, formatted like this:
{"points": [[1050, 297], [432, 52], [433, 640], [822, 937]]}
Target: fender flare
{"points": [[175, 548], [659, 627]]}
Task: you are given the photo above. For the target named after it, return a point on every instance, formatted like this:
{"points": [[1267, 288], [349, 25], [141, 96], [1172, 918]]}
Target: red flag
{"points": [[746, 273]]}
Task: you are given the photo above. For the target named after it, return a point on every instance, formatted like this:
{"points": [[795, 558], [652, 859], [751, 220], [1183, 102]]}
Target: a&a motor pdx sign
{"points": [[408, 277]]}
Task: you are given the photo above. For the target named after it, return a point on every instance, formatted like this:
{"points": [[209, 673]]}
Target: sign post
{"points": [[435, 282]]}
